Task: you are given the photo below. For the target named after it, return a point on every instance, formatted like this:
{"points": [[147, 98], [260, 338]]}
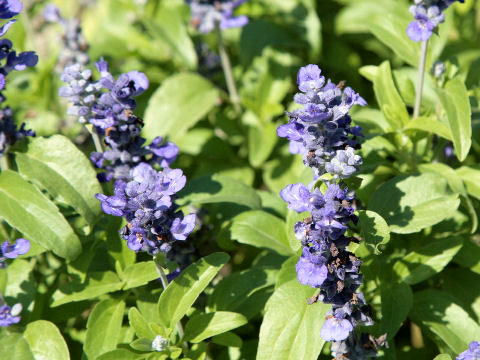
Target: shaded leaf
{"points": [[203, 326], [374, 230]]}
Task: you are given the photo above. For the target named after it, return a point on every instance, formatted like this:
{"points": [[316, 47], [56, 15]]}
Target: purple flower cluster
{"points": [[8, 316], [206, 14], [320, 130], [472, 353], [108, 105], [10, 61], [74, 50], [147, 203], [11, 251], [428, 15]]}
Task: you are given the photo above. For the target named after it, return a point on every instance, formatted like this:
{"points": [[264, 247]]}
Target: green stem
{"points": [[420, 79], [164, 280], [4, 231], [4, 162], [227, 71], [96, 139], [418, 95]]}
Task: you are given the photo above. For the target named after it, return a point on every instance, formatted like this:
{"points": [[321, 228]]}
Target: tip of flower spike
{"points": [[10, 8]]}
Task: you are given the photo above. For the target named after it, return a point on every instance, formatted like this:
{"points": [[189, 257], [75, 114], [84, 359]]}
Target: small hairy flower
{"points": [[472, 353], [12, 250], [207, 13], [9, 316]]}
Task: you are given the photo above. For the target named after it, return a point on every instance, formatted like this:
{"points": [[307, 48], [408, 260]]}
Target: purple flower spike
{"points": [[297, 196], [473, 352], [291, 131], [207, 14], [8, 316], [421, 29], [309, 78]]}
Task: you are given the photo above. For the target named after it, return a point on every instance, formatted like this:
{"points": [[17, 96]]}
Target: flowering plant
{"points": [[230, 179]]}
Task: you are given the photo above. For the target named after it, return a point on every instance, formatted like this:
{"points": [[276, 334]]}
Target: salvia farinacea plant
{"points": [[179, 180]]}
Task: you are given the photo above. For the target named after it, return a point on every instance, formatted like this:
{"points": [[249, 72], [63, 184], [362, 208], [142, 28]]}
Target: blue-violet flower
{"points": [[206, 14]]}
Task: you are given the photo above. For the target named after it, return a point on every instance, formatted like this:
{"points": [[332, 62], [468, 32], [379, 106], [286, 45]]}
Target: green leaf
{"points": [[21, 286], [285, 170], [55, 164], [142, 344], [182, 292], [389, 28], [46, 342], [15, 347], [429, 124], [388, 98], [170, 28], [455, 101], [177, 105], [203, 326], [290, 327], [218, 188], [261, 141], [471, 177], [233, 292], [427, 261], [374, 230], [410, 203], [140, 324], [103, 328], [25, 208], [139, 274], [96, 284], [397, 300], [122, 354], [228, 339], [438, 313], [261, 229], [443, 357], [292, 218]]}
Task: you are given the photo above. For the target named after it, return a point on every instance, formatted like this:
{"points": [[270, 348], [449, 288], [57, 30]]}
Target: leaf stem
{"points": [[227, 71], [420, 79], [416, 336], [96, 139], [4, 162], [164, 280]]}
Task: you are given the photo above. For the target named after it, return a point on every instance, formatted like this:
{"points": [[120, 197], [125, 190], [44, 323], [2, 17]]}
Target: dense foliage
{"points": [[239, 179]]}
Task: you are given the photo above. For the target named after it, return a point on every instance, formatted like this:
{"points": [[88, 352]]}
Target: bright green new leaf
{"points": [[103, 328], [290, 327], [261, 229], [427, 261], [218, 188], [177, 105], [374, 230], [25, 208], [140, 324], [46, 342], [388, 98], [58, 166], [438, 313], [455, 100], [443, 357], [203, 326], [182, 292], [410, 203], [21, 286], [429, 124]]}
